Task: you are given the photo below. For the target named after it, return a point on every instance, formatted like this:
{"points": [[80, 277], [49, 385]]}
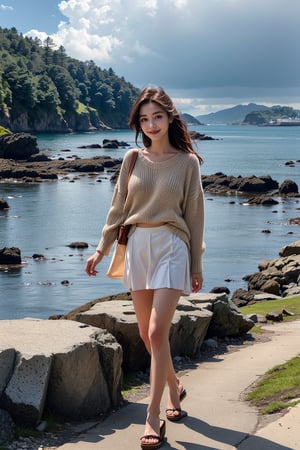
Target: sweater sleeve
{"points": [[194, 217], [115, 216]]}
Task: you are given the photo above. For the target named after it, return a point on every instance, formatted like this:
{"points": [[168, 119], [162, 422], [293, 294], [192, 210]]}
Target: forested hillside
{"points": [[43, 89]]}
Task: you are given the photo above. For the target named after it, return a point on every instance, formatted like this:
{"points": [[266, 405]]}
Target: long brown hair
{"points": [[179, 136]]}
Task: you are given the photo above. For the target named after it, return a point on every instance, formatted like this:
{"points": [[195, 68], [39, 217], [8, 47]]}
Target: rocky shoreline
{"points": [[20, 160], [30, 166], [275, 279]]}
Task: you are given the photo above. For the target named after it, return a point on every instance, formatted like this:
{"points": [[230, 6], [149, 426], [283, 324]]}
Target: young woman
{"points": [[165, 208]]}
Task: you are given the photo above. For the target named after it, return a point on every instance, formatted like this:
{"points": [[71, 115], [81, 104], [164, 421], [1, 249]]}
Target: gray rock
{"points": [[10, 255], [252, 317], [271, 287], [292, 291], [285, 312], [274, 316], [276, 275], [187, 332], [264, 200], [25, 394], [290, 249], [209, 344], [287, 187], [118, 318], [261, 319], [59, 366], [111, 358], [77, 387], [294, 221], [18, 146], [265, 296], [3, 204], [7, 427], [227, 319], [7, 359]]}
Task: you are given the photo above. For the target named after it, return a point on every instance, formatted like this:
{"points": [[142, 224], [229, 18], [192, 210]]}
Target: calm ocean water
{"points": [[44, 218]]}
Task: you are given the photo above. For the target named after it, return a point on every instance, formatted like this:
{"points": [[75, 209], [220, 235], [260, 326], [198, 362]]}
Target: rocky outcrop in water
{"points": [[3, 204], [48, 170], [10, 255], [288, 187], [18, 146], [275, 279]]}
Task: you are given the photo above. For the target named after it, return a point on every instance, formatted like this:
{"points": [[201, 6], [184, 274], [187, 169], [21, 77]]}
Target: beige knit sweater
{"points": [[169, 191]]}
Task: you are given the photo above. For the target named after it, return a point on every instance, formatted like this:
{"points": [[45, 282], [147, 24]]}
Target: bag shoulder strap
{"points": [[131, 167]]}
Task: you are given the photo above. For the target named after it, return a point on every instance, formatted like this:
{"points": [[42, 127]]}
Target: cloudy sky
{"points": [[207, 54]]}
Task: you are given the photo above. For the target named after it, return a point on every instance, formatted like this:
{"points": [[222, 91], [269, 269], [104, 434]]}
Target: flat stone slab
{"points": [[36, 336], [58, 364], [188, 328]]}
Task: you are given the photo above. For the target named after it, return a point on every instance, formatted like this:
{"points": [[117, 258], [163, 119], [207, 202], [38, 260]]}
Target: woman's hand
{"points": [[197, 281], [91, 263]]}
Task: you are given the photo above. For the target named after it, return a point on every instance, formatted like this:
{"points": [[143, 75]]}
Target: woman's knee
{"points": [[157, 336], [144, 335]]}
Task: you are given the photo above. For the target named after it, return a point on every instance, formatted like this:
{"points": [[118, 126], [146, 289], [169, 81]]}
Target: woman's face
{"points": [[154, 121]]}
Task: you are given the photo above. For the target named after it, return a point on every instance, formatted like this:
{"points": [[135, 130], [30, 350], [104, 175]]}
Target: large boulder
{"points": [[223, 184], [18, 146], [196, 316], [288, 187], [227, 319], [264, 200], [7, 360], [57, 365], [7, 427], [282, 271], [277, 278], [253, 184], [188, 329], [3, 204], [118, 318], [25, 394], [290, 249], [10, 255]]}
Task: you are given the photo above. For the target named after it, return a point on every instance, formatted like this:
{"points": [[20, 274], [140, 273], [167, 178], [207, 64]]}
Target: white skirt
{"points": [[156, 258]]}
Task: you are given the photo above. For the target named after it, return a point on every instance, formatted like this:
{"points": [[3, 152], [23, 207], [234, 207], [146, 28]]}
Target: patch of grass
{"points": [[257, 330], [267, 306], [26, 432], [278, 389], [130, 384], [53, 425], [53, 422]]}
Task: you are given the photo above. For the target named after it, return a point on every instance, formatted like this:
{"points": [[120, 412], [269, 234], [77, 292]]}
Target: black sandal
{"points": [[175, 417], [160, 438], [182, 414]]}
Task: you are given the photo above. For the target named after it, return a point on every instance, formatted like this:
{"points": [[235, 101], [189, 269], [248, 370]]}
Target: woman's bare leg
{"points": [[142, 301], [155, 310]]}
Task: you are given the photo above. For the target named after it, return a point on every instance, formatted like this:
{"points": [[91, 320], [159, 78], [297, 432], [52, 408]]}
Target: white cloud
{"points": [[6, 7], [151, 7], [36, 34], [208, 49]]}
